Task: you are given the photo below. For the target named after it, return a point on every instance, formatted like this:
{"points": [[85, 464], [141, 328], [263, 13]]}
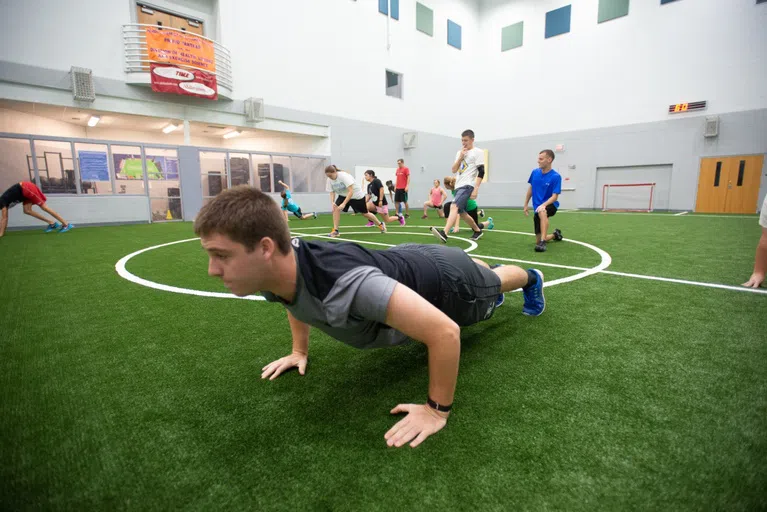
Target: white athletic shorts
{"points": [[763, 216]]}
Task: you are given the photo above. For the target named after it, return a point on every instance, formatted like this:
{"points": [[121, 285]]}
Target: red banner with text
{"points": [[189, 82]]}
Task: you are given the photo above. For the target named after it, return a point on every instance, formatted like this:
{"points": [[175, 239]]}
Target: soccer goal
{"points": [[628, 197]]}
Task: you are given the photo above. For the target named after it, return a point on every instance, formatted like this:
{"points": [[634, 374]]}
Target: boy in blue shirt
{"points": [[545, 187], [289, 206]]}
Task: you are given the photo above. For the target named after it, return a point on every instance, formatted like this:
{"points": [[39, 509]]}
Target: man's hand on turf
{"points": [[276, 368], [421, 422]]}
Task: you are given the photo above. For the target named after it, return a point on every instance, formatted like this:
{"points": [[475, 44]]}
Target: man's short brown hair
{"points": [[246, 215], [549, 153]]}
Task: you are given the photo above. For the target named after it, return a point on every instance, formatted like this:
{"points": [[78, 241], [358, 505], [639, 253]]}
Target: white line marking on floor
{"points": [[122, 272], [472, 243], [684, 281], [680, 214]]}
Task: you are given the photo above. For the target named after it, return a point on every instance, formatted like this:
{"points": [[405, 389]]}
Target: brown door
{"points": [[743, 186], [729, 184], [712, 185], [187, 25], [149, 16]]}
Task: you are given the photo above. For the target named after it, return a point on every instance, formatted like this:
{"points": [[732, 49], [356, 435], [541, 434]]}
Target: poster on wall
{"points": [[128, 167], [187, 82], [93, 165]]}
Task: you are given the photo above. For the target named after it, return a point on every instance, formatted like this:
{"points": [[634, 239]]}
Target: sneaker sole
{"points": [[477, 237], [540, 276], [436, 234]]}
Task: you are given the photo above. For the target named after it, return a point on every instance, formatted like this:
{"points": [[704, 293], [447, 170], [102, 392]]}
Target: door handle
{"points": [[729, 185]]}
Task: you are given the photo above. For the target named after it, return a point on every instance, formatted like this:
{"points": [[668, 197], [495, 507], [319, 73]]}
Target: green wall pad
{"points": [[424, 19], [511, 36], [611, 9]]}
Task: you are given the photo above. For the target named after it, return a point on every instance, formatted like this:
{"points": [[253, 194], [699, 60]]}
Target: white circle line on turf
{"points": [[605, 262], [125, 274], [472, 244]]}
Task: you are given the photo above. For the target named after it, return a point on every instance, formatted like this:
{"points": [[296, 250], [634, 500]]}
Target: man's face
{"points": [[400, 164], [543, 160], [332, 175], [368, 177], [467, 142], [241, 271]]}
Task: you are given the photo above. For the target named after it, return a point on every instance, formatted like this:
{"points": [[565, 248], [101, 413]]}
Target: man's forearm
{"points": [[528, 196], [551, 200], [760, 261], [300, 332], [444, 356]]}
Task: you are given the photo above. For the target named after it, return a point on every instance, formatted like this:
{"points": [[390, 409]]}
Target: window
{"points": [[214, 175], [129, 170], [262, 165], [308, 174], [453, 34], [281, 167], [239, 168], [558, 21], [93, 163], [393, 84], [55, 167], [15, 162], [164, 184]]}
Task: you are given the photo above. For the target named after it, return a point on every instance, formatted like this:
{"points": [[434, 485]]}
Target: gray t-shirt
{"points": [[344, 289]]}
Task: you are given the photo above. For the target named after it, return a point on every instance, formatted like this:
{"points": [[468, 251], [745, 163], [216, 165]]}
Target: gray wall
{"points": [[191, 184], [87, 209], [678, 142]]}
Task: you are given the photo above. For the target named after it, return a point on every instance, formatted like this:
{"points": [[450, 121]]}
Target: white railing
{"points": [[137, 60]]}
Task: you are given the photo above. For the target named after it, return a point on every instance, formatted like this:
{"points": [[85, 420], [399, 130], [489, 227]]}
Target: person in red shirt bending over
{"points": [[27, 193], [402, 187]]}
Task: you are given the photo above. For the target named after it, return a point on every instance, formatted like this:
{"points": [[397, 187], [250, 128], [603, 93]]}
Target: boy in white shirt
{"points": [[470, 166], [349, 193]]}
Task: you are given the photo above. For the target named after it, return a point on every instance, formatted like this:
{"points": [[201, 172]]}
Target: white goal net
{"points": [[628, 197]]}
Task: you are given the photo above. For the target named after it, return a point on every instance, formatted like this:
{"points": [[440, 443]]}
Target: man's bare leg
{"points": [[28, 211], [51, 211]]}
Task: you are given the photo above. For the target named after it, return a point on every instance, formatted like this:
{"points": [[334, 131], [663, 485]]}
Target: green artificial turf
{"points": [[627, 394]]}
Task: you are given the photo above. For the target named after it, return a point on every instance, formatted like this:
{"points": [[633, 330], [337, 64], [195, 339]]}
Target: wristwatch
{"points": [[437, 407]]}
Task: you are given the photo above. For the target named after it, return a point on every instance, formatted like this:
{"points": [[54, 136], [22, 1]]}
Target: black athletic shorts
{"points": [[358, 205], [400, 196], [298, 213], [472, 213], [467, 291], [551, 210]]}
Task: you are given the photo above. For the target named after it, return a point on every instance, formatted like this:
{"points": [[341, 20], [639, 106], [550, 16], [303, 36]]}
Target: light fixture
{"points": [[93, 121], [229, 135], [170, 128]]}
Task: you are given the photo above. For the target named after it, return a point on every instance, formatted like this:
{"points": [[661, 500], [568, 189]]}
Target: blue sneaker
{"points": [[66, 228], [491, 224], [535, 303], [499, 301], [52, 227]]}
